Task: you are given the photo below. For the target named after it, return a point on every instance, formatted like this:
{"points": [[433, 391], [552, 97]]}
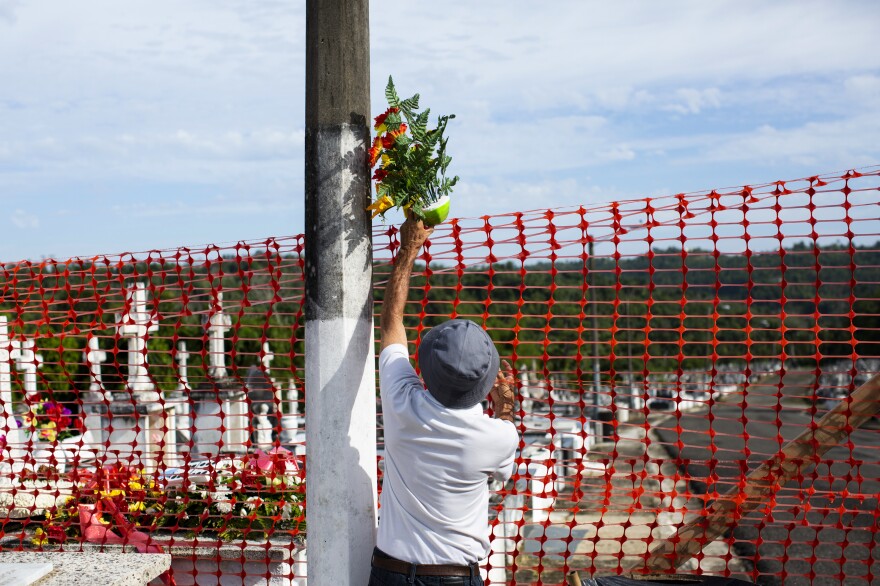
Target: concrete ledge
{"points": [[89, 569]]}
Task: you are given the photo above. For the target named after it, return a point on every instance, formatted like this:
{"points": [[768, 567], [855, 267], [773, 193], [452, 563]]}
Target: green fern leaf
{"points": [[410, 104], [391, 94]]}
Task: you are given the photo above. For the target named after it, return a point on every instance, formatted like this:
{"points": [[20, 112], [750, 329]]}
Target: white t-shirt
{"points": [[435, 493]]}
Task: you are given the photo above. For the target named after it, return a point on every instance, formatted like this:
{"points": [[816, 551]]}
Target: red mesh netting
{"points": [[665, 348]]}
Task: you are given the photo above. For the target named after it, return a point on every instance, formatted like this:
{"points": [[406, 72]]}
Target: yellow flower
{"points": [[48, 431], [380, 205], [381, 128], [135, 485], [385, 160], [135, 507], [40, 537], [112, 493]]}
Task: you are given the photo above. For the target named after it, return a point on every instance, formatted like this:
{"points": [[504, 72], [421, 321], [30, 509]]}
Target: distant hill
{"points": [[666, 310]]}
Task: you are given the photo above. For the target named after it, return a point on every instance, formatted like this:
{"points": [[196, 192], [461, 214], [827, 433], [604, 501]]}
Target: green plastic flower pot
{"points": [[437, 212]]}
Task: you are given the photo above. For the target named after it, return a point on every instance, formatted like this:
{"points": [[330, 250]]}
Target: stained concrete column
{"points": [[340, 385]]}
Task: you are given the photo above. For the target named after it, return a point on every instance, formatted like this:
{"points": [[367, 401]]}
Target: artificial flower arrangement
{"points": [[412, 161], [51, 421], [245, 498]]}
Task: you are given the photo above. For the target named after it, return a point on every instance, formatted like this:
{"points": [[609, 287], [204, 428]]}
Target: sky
{"points": [[137, 125]]}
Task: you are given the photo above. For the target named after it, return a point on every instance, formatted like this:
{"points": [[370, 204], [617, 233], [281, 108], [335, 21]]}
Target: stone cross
{"points": [[135, 324], [182, 357], [217, 324], [27, 361], [94, 357]]}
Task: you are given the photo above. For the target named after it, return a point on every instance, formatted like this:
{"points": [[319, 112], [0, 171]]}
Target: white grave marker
{"points": [[266, 357], [218, 323], [262, 428], [180, 397], [94, 357], [135, 324], [182, 358], [27, 361]]}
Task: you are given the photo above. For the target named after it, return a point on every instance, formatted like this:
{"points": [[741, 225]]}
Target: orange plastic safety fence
{"points": [[665, 347]]}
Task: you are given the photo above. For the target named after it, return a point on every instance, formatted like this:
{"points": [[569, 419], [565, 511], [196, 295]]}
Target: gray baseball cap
{"points": [[459, 363]]}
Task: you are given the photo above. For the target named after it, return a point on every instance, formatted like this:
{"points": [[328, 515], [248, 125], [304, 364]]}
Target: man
{"points": [[440, 447]]}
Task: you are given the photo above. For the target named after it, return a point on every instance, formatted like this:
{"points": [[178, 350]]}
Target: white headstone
{"points": [[218, 323], [262, 427], [182, 357], [94, 357], [135, 324], [27, 361]]}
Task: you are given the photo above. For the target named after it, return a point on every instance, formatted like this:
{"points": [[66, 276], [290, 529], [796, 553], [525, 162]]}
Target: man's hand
{"points": [[413, 234], [502, 394]]}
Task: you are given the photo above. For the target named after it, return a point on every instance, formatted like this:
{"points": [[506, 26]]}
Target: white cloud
{"points": [[692, 101], [865, 88], [7, 11], [203, 207], [618, 153], [24, 220], [827, 145]]}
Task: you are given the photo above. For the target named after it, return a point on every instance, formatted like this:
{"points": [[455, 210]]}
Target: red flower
{"points": [[380, 119], [56, 534], [380, 175], [388, 141]]}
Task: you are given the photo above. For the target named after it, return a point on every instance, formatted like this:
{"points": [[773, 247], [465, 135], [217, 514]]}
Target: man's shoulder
{"points": [[487, 428]]}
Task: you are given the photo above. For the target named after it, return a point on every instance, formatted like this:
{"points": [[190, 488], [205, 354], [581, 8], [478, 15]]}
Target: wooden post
{"points": [[340, 389]]}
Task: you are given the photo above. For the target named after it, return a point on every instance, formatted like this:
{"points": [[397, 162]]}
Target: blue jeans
{"points": [[381, 577]]}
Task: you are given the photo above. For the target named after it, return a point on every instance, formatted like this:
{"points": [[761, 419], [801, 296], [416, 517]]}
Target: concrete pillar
{"points": [[340, 363]]}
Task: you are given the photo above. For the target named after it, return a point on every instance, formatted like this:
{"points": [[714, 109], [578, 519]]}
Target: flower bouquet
{"points": [[50, 421], [250, 498], [412, 161]]}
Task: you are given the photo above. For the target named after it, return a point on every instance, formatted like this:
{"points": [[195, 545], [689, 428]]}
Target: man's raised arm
{"points": [[413, 234]]}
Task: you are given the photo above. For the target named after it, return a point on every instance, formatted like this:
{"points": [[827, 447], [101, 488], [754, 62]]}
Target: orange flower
{"points": [[388, 139], [375, 151], [399, 131]]}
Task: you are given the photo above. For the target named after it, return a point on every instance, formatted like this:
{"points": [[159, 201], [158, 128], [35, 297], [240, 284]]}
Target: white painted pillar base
{"points": [[341, 450]]}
